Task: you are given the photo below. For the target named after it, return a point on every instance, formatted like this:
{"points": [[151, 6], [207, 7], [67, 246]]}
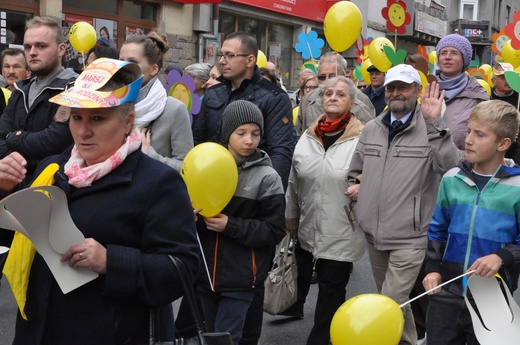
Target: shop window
{"points": [[12, 28], [273, 40], [280, 48], [256, 29], [139, 10], [102, 6], [105, 28], [227, 23]]}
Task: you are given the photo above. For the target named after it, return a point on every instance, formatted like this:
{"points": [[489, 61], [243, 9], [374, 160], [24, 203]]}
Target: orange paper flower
{"points": [[513, 31], [499, 38]]}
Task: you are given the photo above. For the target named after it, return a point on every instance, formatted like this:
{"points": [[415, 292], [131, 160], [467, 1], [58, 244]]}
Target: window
{"points": [[14, 28], [508, 14], [273, 39], [498, 12], [139, 10], [103, 6], [469, 9]]}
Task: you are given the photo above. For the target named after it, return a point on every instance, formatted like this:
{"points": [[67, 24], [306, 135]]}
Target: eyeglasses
{"points": [[400, 88], [361, 87], [453, 53], [323, 77], [229, 56], [307, 88]]}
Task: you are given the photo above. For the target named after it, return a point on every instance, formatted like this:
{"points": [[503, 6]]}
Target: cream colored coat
{"points": [[315, 196]]}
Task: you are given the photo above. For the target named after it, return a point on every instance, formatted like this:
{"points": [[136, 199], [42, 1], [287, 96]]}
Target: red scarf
{"points": [[336, 125]]}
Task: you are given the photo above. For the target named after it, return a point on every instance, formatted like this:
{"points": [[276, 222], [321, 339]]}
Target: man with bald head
{"points": [[331, 65]]}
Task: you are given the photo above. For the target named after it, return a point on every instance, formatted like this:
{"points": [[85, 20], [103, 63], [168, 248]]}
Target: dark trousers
{"points": [[254, 319], [304, 260], [226, 311], [333, 277], [448, 321]]}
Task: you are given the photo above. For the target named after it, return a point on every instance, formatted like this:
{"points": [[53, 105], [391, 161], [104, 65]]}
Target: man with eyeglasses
{"points": [[394, 174], [463, 92], [297, 96], [241, 79], [375, 90], [311, 107]]}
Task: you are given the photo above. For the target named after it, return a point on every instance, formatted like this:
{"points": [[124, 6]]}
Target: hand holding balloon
{"points": [[217, 223]]}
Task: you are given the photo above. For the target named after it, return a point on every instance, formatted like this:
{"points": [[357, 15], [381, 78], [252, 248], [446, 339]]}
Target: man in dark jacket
{"points": [[375, 91], [30, 124], [501, 89], [241, 80]]}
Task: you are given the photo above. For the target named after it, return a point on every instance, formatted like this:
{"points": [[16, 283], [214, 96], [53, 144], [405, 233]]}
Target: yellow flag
{"points": [[21, 255]]}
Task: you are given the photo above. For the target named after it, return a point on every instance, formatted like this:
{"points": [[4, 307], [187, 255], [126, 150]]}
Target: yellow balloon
{"points": [[211, 175], [368, 319], [342, 25], [509, 54], [432, 57], [485, 85], [82, 37], [486, 68], [261, 60], [295, 114], [377, 54], [424, 81], [364, 73], [312, 65]]}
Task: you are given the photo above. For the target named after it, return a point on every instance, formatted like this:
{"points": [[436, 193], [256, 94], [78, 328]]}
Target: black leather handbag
{"points": [[202, 338]]}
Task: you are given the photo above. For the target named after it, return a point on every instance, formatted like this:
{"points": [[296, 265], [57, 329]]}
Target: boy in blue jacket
{"points": [[475, 225], [239, 243]]}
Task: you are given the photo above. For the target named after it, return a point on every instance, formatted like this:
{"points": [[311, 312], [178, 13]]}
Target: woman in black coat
{"points": [[133, 212]]}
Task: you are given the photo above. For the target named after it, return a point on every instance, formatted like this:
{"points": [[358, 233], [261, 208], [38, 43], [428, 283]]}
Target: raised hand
{"points": [[431, 102]]}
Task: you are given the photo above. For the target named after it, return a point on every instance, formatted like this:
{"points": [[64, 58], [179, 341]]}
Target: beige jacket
{"points": [[400, 180], [315, 200]]}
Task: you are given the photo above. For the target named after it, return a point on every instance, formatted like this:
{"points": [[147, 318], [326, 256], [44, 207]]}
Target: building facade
{"points": [[195, 29]]}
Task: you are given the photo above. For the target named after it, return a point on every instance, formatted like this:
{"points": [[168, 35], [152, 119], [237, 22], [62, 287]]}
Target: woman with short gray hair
{"points": [[200, 73]]}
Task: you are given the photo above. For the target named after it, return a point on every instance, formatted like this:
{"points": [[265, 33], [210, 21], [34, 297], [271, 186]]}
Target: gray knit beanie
{"points": [[238, 113], [458, 42]]}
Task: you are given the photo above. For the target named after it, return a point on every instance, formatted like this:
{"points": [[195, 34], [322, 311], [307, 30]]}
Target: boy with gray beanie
{"points": [[239, 243]]}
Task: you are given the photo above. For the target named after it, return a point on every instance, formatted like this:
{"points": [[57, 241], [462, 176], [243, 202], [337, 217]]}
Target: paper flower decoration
{"points": [[362, 48], [182, 88], [396, 16], [513, 31], [309, 45], [421, 50], [499, 39]]}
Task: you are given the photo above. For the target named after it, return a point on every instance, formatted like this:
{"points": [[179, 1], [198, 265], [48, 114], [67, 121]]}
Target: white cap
{"points": [[404, 73]]}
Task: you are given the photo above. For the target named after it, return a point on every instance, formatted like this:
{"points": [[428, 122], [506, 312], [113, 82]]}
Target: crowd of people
{"points": [[422, 177]]}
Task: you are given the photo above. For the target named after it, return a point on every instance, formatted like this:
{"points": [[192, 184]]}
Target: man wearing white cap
{"points": [[395, 172]]}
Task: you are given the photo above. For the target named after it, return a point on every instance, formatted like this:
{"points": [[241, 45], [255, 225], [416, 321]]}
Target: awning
{"points": [[198, 1], [308, 9]]}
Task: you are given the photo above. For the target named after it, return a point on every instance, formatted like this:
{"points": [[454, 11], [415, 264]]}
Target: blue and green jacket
{"points": [[469, 223]]}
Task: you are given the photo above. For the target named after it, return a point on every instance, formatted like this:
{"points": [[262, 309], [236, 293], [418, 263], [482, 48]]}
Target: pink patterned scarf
{"points": [[81, 175]]}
